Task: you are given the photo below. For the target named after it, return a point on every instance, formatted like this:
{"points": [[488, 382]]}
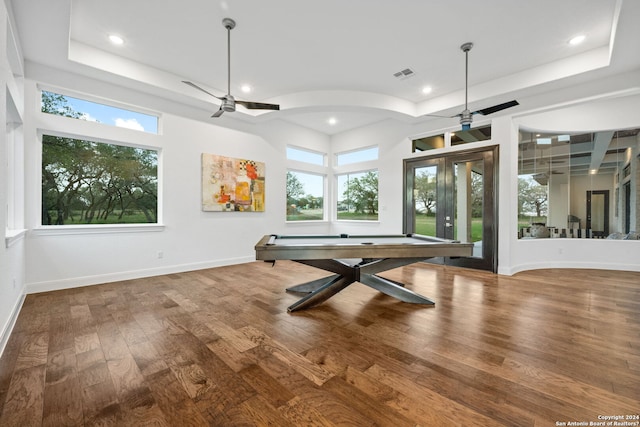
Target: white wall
{"points": [[190, 238], [12, 249]]}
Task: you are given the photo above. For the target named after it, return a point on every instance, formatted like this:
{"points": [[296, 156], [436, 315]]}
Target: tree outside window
{"points": [[89, 182], [358, 196], [305, 201]]}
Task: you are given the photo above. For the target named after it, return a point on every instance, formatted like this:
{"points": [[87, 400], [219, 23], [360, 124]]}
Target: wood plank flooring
{"points": [[217, 347]]}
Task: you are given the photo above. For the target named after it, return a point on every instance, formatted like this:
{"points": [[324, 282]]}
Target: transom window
{"points": [[82, 109], [305, 156], [356, 156]]}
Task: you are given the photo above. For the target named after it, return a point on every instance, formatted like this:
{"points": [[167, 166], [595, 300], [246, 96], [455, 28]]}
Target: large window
{"points": [[575, 185], [358, 196], [89, 182], [305, 196], [305, 185], [82, 109]]}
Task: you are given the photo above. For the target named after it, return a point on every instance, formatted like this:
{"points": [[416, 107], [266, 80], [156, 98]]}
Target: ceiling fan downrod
{"points": [[228, 103], [465, 116]]}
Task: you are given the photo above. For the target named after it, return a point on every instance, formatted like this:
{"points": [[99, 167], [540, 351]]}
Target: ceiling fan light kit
{"points": [[228, 102]]}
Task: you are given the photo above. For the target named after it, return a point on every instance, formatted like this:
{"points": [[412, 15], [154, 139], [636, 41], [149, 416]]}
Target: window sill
{"points": [[13, 236], [58, 230]]}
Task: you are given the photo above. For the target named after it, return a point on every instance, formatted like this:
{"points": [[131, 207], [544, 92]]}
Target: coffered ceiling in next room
{"points": [[335, 58]]}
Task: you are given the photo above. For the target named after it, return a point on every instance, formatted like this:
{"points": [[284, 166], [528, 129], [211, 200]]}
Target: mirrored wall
{"points": [[584, 185]]}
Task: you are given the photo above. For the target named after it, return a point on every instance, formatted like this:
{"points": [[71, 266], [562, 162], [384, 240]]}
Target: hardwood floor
{"points": [[217, 347]]}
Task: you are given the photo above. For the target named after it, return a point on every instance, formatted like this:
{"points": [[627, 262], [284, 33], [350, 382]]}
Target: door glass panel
{"points": [[425, 199], [597, 213], [468, 203]]}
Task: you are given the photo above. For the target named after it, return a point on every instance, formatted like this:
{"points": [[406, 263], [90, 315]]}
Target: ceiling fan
{"points": [[228, 101], [466, 116]]}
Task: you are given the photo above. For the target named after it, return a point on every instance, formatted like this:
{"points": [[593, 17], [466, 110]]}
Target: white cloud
{"points": [[129, 124], [88, 117]]}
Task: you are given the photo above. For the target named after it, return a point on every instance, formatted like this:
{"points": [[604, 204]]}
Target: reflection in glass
{"points": [[471, 135], [425, 199], [565, 181], [468, 202], [427, 143]]}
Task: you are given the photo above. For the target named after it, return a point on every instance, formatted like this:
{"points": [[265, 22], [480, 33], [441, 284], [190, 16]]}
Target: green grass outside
{"points": [[357, 216], [427, 225], [134, 217], [316, 215]]}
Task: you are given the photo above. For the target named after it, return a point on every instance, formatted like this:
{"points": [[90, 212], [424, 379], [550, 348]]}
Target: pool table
{"points": [[356, 258]]}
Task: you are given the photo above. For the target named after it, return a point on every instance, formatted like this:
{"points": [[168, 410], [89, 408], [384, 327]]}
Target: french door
{"points": [[454, 196]]}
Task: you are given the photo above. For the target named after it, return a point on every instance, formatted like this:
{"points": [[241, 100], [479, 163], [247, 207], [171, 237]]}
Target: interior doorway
{"points": [[454, 196], [627, 207], [598, 213]]}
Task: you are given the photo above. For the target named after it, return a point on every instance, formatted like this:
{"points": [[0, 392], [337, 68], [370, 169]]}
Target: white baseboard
{"points": [[76, 282], [582, 265], [11, 322]]}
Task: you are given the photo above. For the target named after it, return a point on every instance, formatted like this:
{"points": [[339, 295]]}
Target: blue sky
{"points": [[114, 116]]}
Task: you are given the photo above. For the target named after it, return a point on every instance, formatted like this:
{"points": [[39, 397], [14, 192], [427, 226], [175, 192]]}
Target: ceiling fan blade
{"points": [[258, 105], [218, 113], [443, 117], [496, 108], [193, 85]]}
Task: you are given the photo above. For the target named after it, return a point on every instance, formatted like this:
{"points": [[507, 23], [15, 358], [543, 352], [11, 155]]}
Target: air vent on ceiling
{"points": [[406, 73]]}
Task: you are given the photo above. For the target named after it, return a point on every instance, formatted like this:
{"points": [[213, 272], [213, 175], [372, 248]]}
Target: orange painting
{"points": [[232, 185]]}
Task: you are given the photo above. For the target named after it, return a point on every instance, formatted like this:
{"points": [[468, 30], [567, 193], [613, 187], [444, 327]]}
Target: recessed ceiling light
{"points": [[332, 121], [245, 88], [427, 90], [577, 40], [116, 39]]}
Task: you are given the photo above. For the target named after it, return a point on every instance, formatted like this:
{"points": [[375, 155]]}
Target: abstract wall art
{"points": [[232, 185]]}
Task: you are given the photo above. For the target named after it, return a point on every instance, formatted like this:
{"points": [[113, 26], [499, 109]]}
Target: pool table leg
{"points": [[392, 289], [322, 289], [312, 285], [323, 293]]}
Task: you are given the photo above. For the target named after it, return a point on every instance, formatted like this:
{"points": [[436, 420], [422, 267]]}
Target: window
{"points": [[357, 156], [427, 143], [482, 133], [89, 182], [358, 196], [67, 106], [305, 185], [305, 196], [574, 185], [306, 156]]}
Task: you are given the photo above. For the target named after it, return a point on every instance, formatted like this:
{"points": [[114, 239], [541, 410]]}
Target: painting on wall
{"points": [[232, 185]]}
